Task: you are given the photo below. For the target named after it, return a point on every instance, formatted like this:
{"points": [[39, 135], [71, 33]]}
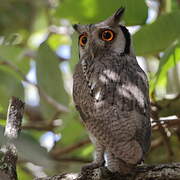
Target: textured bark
{"points": [[12, 130], [144, 172]]}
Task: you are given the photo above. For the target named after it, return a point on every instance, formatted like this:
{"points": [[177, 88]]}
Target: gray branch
{"points": [[144, 172], [14, 118], [13, 127]]}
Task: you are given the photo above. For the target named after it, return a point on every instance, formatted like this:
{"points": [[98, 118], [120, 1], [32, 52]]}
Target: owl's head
{"points": [[107, 36]]}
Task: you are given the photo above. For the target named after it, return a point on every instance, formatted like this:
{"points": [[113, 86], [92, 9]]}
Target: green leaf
{"points": [[29, 149], [74, 51], [91, 11], [156, 37], [41, 20], [16, 15], [23, 174], [72, 130], [50, 79], [16, 56], [169, 60], [169, 107], [10, 81], [87, 151], [9, 86], [55, 40], [84, 152]]}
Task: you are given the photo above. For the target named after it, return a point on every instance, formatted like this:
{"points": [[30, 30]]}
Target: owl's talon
{"points": [[92, 166], [91, 92], [89, 85]]}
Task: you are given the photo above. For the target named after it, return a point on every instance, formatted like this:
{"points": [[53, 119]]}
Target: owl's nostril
{"points": [[92, 48]]}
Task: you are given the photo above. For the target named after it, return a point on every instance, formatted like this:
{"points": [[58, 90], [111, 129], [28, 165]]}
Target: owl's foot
{"points": [[91, 166], [87, 171], [141, 162]]}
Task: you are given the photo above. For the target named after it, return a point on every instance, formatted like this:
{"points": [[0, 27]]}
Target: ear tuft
{"points": [[75, 26], [115, 18], [118, 14]]}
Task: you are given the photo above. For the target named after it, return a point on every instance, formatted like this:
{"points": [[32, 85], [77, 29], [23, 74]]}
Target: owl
{"points": [[110, 91]]}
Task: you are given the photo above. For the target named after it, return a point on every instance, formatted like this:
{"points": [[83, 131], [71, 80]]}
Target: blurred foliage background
{"points": [[38, 51]]}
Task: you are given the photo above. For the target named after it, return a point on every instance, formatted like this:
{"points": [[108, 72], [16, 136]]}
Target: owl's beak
{"points": [[93, 48]]}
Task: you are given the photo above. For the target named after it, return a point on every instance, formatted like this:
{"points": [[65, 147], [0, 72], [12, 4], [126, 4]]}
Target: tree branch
{"points": [[12, 130], [145, 172], [72, 159], [61, 151]]}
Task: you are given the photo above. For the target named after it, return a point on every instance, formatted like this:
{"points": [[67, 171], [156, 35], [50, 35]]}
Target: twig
{"points": [[33, 55], [166, 140], [178, 1], [34, 114], [166, 123], [155, 143], [39, 127], [58, 152], [14, 68], [72, 159], [59, 107], [12, 130], [42, 125]]}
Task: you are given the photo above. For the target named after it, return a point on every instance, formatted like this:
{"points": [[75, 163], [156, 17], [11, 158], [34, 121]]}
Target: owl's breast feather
{"points": [[109, 84]]}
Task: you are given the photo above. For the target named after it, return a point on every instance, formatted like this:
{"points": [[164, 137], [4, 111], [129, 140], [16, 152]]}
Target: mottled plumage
{"points": [[110, 91]]}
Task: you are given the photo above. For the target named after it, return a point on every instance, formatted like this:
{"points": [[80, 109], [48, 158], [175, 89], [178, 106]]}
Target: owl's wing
{"points": [[143, 135], [121, 117]]}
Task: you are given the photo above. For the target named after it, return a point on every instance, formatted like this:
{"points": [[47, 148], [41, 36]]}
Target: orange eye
{"points": [[107, 35], [83, 39]]}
